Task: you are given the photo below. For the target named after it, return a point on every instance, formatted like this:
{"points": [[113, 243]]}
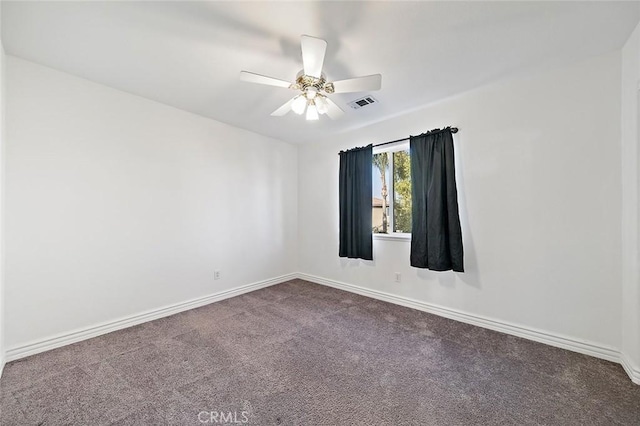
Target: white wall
{"points": [[538, 170], [2, 145], [630, 207], [116, 204]]}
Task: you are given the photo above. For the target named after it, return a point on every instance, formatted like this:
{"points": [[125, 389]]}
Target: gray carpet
{"points": [[300, 353]]}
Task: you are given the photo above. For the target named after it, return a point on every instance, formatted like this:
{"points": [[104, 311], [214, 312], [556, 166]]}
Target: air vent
{"points": [[362, 102]]}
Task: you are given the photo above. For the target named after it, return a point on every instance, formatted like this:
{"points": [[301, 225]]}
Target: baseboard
{"points": [[107, 327], [548, 338], [552, 339], [633, 372]]}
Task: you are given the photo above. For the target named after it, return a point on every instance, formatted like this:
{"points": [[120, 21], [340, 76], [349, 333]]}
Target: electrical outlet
{"points": [[216, 275], [398, 277]]}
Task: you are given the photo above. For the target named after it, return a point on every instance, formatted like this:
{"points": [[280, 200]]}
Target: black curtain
{"points": [[436, 238], [356, 240]]}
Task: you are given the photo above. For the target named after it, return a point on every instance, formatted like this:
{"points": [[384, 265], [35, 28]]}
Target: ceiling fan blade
{"points": [[358, 84], [283, 109], [263, 79], [313, 50], [334, 111]]}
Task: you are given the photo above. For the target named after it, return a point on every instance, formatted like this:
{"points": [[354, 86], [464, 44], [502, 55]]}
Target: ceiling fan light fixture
{"points": [[321, 104], [312, 112], [299, 104], [311, 93]]}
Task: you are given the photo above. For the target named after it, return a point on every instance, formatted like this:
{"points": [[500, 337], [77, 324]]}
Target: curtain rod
{"points": [[453, 130]]}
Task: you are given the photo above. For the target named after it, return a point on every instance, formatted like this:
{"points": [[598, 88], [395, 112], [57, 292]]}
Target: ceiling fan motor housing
{"points": [[303, 82]]}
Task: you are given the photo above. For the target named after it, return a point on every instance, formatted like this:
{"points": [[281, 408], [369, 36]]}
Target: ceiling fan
{"points": [[313, 85]]}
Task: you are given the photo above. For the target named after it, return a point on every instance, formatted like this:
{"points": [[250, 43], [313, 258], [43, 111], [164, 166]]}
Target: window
{"points": [[391, 202]]}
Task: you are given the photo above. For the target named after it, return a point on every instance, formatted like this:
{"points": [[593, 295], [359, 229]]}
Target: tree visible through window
{"points": [[401, 192], [391, 202]]}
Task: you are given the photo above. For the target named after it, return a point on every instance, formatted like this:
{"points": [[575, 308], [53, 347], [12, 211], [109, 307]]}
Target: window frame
{"points": [[391, 148]]}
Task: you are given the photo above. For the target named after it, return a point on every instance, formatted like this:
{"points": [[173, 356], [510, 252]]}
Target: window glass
{"points": [[391, 201], [401, 192], [380, 202]]}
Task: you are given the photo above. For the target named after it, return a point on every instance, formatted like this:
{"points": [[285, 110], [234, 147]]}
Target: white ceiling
{"points": [[189, 54]]}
